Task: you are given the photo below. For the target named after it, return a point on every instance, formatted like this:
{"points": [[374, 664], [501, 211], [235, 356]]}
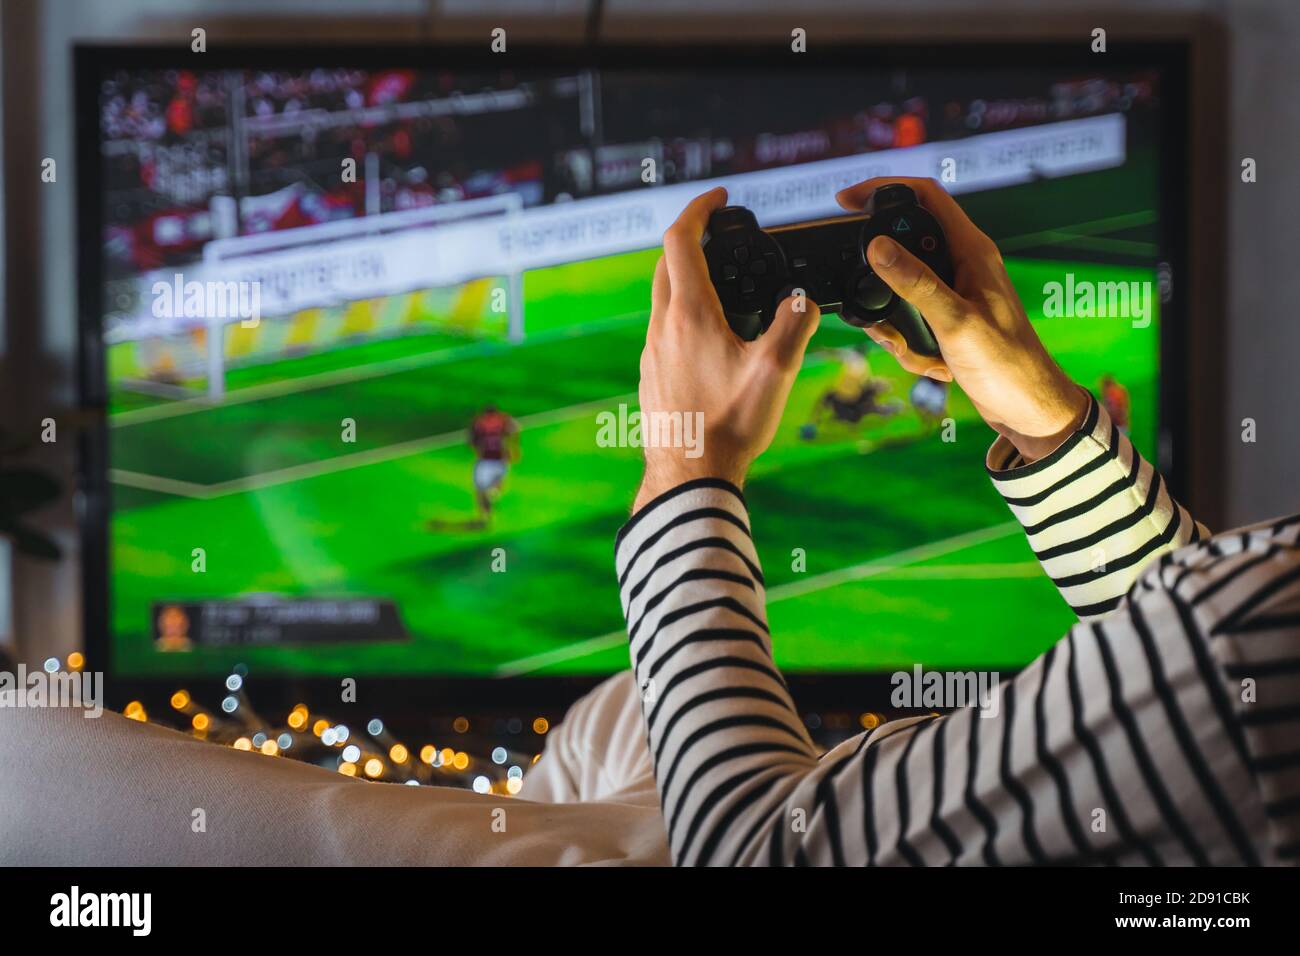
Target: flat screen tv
{"points": [[387, 241]]}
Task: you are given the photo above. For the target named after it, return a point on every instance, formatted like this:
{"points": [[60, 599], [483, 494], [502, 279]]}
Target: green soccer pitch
{"points": [[908, 554]]}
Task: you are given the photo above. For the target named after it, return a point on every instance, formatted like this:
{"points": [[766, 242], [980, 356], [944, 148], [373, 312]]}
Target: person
{"points": [[929, 400], [493, 435], [1115, 397], [1161, 729], [855, 394]]}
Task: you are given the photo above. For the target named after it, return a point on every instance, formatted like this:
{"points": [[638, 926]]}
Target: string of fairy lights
{"points": [[371, 752]]}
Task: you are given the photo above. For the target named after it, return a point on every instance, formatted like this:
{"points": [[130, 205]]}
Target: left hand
{"points": [[990, 348], [693, 363]]}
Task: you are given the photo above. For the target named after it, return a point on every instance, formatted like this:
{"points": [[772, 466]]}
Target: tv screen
{"points": [[312, 274]]}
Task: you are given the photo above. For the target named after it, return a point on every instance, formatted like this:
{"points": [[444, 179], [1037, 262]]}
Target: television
{"points": [[306, 271]]}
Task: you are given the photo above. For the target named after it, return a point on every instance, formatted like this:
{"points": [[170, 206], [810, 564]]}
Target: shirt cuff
{"points": [[1015, 478], [700, 508]]}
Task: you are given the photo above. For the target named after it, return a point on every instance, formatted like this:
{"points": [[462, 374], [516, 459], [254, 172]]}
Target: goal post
{"points": [[313, 288]]}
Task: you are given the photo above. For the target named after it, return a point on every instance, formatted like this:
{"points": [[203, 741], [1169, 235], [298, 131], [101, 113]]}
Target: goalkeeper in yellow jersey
{"points": [[855, 395]]}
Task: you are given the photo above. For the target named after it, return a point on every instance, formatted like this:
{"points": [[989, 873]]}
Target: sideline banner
{"points": [[384, 255]]}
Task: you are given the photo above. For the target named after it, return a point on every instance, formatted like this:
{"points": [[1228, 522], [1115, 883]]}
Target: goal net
{"points": [[273, 296]]}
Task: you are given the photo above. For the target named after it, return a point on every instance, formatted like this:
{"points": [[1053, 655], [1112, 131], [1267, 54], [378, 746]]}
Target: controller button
{"points": [[729, 272], [799, 263], [895, 194], [900, 226], [758, 267], [929, 243], [747, 286], [741, 254], [872, 293]]}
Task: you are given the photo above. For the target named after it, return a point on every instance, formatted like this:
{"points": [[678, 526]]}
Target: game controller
{"points": [[754, 270]]}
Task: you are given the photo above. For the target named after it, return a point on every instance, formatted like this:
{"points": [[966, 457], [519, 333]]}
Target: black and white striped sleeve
{"points": [[728, 748], [1094, 511], [1123, 743]]}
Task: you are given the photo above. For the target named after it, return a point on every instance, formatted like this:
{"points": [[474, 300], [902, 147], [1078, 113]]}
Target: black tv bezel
{"points": [[442, 693]]}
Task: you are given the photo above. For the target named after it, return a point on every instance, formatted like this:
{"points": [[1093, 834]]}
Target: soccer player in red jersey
{"points": [[1115, 397], [494, 437]]}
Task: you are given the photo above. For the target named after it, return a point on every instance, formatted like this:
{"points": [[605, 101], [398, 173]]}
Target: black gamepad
{"points": [[754, 270]]}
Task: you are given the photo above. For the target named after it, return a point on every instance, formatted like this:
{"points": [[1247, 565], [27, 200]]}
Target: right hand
{"points": [[989, 346], [693, 363]]}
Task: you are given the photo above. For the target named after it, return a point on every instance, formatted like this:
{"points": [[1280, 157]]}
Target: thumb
{"points": [[916, 282], [793, 325]]}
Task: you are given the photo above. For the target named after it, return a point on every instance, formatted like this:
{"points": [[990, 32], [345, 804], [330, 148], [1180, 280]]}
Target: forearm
{"points": [[1094, 511], [729, 749], [1019, 779]]}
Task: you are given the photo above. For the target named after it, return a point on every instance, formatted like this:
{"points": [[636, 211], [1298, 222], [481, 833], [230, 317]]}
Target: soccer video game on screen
{"points": [[372, 342]]}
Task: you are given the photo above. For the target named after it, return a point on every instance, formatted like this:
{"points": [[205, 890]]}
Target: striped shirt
{"points": [[1162, 729]]}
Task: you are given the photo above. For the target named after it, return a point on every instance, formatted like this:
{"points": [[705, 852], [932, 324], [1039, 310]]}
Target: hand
{"points": [[694, 365], [988, 344]]}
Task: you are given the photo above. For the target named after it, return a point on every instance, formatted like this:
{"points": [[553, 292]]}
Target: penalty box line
{"points": [[784, 592], [359, 459], [359, 373], [291, 386], [1079, 231]]}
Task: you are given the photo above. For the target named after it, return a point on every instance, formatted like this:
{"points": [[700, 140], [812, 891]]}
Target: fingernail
{"points": [[939, 375], [884, 343], [884, 251]]}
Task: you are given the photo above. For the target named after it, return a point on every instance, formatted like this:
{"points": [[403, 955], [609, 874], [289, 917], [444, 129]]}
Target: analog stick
{"points": [[871, 293]]}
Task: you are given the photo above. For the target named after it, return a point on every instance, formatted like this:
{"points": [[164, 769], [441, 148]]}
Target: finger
{"points": [[892, 341], [916, 282], [855, 197], [660, 291], [792, 327], [956, 224], [687, 271]]}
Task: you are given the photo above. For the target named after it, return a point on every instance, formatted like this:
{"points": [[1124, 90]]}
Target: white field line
{"points": [[357, 373], [370, 456], [968, 572], [783, 592], [291, 386], [1078, 230], [170, 486], [415, 446]]}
